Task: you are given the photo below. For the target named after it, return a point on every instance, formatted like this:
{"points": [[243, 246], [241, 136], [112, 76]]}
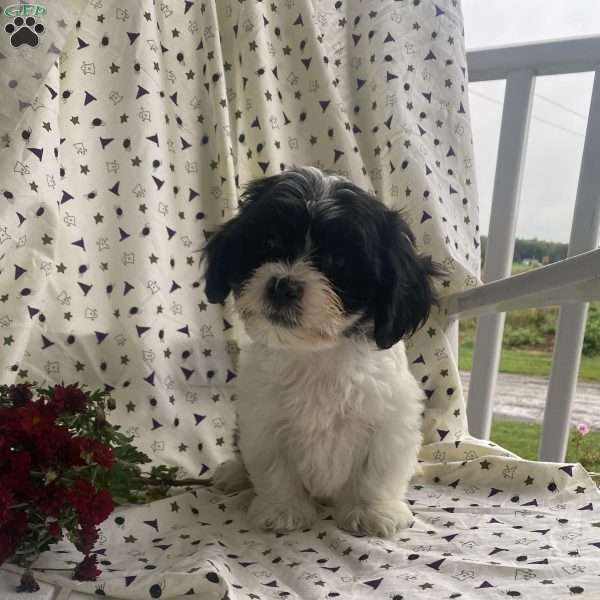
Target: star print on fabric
{"points": [[152, 121]]}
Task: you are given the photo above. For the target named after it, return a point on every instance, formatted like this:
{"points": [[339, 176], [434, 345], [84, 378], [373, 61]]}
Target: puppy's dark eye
{"points": [[273, 244], [335, 261]]}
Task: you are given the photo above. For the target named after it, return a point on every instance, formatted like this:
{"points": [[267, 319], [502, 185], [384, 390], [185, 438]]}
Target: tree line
{"points": [[533, 249]]}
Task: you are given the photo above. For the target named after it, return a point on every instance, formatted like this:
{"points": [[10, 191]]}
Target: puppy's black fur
{"points": [[365, 249]]}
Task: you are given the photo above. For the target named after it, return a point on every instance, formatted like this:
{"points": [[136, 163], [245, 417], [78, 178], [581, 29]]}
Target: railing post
{"points": [[514, 130], [572, 317]]}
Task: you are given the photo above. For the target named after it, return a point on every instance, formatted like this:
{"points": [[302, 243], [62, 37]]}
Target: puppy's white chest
{"points": [[319, 414], [326, 422]]}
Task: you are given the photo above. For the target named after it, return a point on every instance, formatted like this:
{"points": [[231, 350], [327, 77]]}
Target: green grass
{"points": [[521, 268], [523, 439], [528, 340], [525, 362]]}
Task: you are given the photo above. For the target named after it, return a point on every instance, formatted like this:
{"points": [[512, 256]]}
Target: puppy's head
{"points": [[311, 258]]}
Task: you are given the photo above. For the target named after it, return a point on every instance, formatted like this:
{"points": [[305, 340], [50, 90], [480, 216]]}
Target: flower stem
{"points": [[177, 482], [28, 583]]}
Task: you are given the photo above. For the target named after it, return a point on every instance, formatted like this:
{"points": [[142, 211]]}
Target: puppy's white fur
{"points": [[340, 425], [323, 414]]}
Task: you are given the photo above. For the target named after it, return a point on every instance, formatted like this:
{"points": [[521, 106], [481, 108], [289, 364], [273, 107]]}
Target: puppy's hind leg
{"points": [[231, 476]]}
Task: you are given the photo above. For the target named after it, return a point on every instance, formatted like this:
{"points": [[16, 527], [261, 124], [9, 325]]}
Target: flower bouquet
{"points": [[63, 468], [586, 450]]}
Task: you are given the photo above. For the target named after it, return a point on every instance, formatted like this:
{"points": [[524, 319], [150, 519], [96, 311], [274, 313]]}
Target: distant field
{"points": [[529, 339], [523, 362]]}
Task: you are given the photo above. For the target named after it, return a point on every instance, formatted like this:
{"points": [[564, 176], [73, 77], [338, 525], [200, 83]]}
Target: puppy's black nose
{"points": [[282, 291]]}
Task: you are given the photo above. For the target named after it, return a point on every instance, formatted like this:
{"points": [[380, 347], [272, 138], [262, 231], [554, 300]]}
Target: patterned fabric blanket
{"points": [[126, 133]]}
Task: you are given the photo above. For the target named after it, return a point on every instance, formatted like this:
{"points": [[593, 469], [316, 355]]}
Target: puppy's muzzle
{"points": [[284, 291], [283, 296]]}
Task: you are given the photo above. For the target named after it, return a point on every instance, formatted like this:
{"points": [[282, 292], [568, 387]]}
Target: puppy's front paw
{"points": [[297, 514], [231, 476], [380, 519]]}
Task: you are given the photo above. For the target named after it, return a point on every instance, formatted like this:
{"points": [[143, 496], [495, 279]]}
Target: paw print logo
{"points": [[24, 31]]}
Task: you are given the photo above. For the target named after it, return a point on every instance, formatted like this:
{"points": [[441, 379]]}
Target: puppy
{"points": [[327, 282]]}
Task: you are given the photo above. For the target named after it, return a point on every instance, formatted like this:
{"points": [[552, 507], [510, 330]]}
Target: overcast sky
{"points": [[560, 109]]}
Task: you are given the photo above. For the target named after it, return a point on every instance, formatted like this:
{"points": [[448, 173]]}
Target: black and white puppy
{"points": [[327, 282]]}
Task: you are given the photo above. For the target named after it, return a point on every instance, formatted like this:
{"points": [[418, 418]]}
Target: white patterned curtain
{"points": [[136, 143], [127, 134]]}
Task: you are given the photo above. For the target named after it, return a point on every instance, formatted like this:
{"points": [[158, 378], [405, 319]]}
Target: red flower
{"points": [[6, 449], [11, 532], [54, 529], [92, 506], [21, 464], [86, 538], [87, 569], [55, 445], [6, 500], [51, 500], [103, 505], [25, 419], [100, 453], [20, 394], [68, 399], [15, 473]]}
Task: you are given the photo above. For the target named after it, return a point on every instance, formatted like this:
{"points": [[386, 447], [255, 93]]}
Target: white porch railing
{"points": [[570, 283]]}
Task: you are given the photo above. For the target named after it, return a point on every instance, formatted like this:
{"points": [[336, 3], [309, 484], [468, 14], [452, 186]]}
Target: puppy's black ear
{"points": [[217, 253], [223, 249], [405, 294]]}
